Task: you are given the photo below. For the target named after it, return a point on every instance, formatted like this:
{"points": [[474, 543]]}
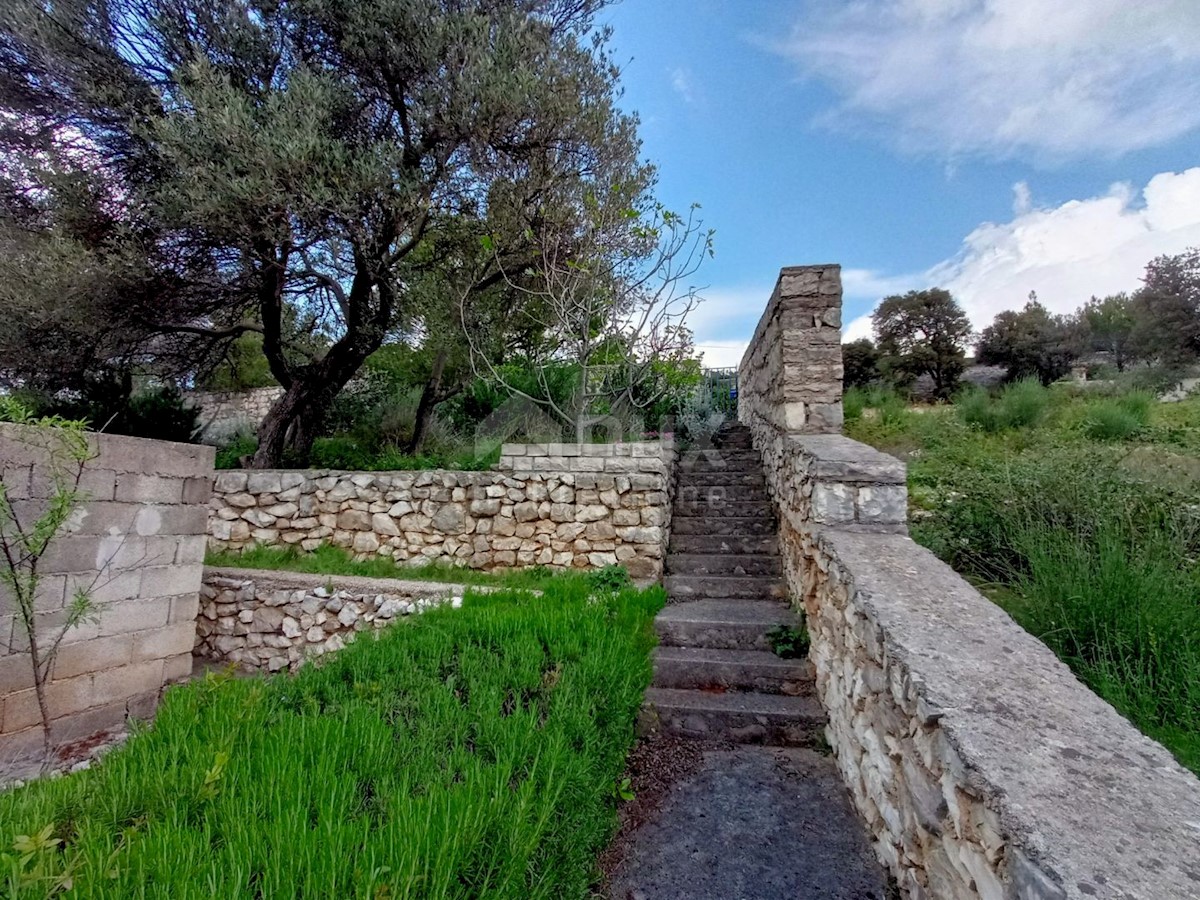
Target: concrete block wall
{"points": [[982, 767], [137, 544]]}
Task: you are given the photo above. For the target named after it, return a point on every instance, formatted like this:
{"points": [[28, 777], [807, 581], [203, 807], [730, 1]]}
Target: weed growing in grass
{"points": [[854, 401], [469, 753], [608, 579], [789, 642]]}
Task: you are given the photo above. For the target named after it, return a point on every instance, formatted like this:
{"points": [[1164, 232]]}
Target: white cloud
{"points": [[722, 354], [1007, 77], [723, 323], [681, 83], [1066, 253]]}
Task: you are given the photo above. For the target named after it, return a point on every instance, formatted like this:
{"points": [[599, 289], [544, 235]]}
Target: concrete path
{"points": [[751, 823]]}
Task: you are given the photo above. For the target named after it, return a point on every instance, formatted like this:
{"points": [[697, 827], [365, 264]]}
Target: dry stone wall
{"points": [[981, 765], [225, 414], [137, 544], [563, 506], [279, 620], [791, 373]]}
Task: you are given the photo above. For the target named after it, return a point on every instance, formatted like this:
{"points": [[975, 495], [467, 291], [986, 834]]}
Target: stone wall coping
{"points": [[1078, 789], [840, 458], [575, 448], [278, 579], [808, 267]]}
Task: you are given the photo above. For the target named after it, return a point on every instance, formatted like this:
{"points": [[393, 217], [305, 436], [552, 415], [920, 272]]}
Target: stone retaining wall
{"points": [[982, 766], [226, 414], [575, 508], [278, 620], [137, 544]]}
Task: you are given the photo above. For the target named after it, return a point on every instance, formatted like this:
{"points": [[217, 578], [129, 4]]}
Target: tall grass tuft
{"points": [[470, 753], [1118, 418], [1123, 613], [1021, 404]]}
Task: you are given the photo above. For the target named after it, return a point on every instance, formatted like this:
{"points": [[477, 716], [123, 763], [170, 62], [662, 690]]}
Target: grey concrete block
{"points": [[190, 550], [133, 487], [167, 581], [105, 517], [124, 616], [197, 490], [84, 657], [162, 643]]}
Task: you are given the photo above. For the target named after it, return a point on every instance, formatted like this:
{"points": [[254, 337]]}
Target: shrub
{"points": [[1021, 404], [609, 579], [1119, 418], [230, 456], [469, 753], [854, 401]]}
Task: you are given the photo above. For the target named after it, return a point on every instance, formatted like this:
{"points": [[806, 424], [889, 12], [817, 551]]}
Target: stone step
{"points": [[743, 718], [735, 526], [722, 587], [720, 506], [721, 478], [719, 494], [722, 624], [724, 544], [703, 668], [719, 458], [724, 564]]}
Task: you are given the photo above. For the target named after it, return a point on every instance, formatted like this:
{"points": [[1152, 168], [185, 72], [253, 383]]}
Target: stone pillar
{"points": [[791, 374]]}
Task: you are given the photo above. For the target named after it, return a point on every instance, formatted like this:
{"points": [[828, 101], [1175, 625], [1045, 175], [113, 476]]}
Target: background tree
{"points": [[860, 363], [1166, 310], [923, 333], [612, 298], [1029, 343], [1109, 325]]}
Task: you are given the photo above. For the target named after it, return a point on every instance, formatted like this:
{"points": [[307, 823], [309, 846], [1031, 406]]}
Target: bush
{"points": [[1119, 418], [1021, 404], [106, 404], [468, 753], [854, 401], [230, 456]]}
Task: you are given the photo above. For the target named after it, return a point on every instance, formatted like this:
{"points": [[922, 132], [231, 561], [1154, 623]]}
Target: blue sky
{"points": [[993, 147]]}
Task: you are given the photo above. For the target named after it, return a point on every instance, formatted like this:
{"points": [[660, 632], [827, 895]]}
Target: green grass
{"points": [[1082, 513], [468, 753], [329, 560]]}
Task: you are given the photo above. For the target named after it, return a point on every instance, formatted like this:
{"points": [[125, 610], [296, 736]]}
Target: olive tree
{"points": [[304, 150]]}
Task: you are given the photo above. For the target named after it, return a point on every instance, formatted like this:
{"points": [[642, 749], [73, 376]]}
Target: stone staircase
{"points": [[715, 677]]}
